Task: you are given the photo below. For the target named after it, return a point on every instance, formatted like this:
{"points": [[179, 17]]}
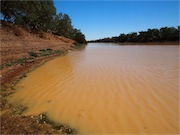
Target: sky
{"points": [[105, 18]]}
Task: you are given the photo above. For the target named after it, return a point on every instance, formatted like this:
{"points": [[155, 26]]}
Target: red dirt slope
{"points": [[17, 41]]}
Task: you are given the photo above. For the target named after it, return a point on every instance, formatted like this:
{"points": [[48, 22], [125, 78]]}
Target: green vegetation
{"points": [[79, 46], [18, 61], [33, 54], [78, 36], [48, 51], [44, 52], [151, 35], [40, 16], [34, 14]]}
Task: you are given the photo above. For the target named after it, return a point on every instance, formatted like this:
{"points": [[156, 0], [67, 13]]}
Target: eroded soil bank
{"points": [[22, 50]]}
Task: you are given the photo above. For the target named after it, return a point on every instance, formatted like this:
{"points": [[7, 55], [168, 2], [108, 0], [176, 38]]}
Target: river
{"points": [[107, 88]]}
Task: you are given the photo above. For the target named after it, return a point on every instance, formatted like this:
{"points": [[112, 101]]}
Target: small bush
{"points": [[45, 54], [57, 51], [49, 49], [42, 50], [18, 61], [33, 54], [49, 52]]}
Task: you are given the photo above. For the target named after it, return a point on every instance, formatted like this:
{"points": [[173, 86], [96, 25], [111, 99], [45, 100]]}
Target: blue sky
{"points": [[99, 19]]}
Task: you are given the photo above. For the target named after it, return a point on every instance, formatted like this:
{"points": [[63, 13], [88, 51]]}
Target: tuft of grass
{"points": [[22, 60], [58, 51], [45, 54], [18, 61], [34, 54], [49, 49], [42, 50]]}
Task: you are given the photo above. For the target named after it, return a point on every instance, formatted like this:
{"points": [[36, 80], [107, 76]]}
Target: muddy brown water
{"points": [[107, 88]]}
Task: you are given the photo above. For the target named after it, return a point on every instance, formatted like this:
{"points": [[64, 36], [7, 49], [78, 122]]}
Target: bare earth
{"points": [[16, 43]]}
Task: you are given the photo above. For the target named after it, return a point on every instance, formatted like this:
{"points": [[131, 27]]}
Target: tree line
{"points": [[41, 16], [151, 35]]}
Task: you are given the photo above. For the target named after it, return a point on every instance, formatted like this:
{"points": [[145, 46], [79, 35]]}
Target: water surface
{"points": [[107, 88]]}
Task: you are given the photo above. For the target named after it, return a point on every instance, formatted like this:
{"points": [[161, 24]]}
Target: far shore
{"points": [[143, 43]]}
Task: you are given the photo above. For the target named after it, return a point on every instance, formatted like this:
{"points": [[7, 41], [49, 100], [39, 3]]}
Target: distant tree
{"points": [[122, 38], [155, 34], [114, 39], [177, 33], [143, 36], [132, 37], [151, 35], [168, 34]]}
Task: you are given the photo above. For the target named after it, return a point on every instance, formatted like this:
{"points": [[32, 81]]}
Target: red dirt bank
{"points": [[16, 43]]}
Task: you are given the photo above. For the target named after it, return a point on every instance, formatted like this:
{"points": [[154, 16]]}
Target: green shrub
{"points": [[34, 54], [42, 50], [57, 51], [49, 49], [45, 54]]}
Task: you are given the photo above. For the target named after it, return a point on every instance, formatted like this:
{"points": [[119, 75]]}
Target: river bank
{"points": [[22, 51], [150, 43], [142, 43]]}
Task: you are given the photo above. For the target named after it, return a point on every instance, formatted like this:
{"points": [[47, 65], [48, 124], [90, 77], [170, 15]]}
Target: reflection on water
{"points": [[107, 88]]}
